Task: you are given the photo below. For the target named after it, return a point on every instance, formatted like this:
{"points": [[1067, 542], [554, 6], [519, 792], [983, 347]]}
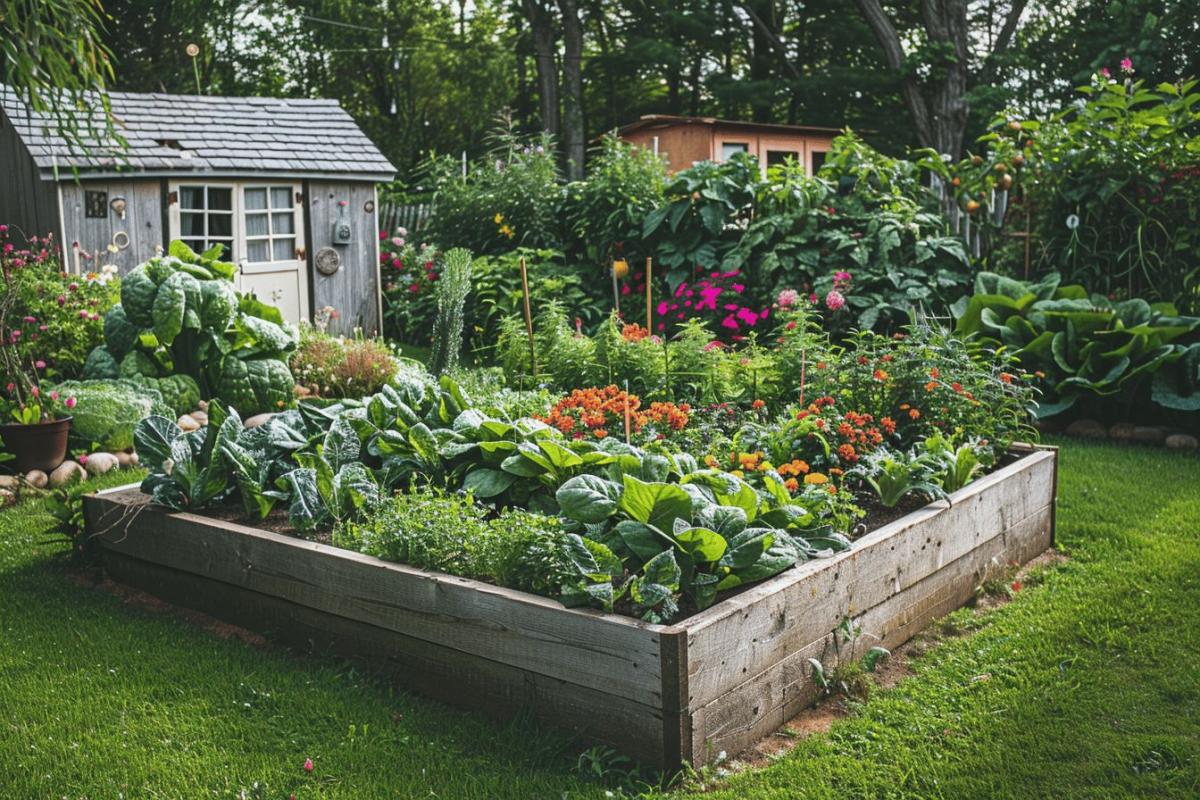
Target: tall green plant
{"points": [[452, 292]]}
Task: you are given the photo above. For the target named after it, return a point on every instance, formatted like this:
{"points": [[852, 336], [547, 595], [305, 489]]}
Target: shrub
{"points": [[410, 276], [451, 299], [107, 411], [329, 366], [528, 552]]}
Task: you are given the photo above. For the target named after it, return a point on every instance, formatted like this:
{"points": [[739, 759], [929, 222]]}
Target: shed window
{"points": [[778, 157], [270, 224], [729, 148], [206, 217], [818, 160]]}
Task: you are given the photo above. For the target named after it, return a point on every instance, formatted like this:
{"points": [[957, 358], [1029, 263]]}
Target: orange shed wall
{"points": [[684, 144], [680, 145]]}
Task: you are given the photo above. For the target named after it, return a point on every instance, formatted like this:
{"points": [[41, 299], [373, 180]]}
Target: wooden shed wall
{"points": [[143, 221], [354, 289], [27, 202]]}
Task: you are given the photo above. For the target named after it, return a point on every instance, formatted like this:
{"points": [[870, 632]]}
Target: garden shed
{"points": [[287, 185], [682, 141]]}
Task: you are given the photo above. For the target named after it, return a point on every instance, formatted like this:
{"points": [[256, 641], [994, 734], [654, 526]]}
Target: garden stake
{"points": [[649, 292], [626, 412], [528, 319]]}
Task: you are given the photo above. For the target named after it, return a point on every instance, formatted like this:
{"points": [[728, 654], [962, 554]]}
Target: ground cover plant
{"points": [[1094, 639]]}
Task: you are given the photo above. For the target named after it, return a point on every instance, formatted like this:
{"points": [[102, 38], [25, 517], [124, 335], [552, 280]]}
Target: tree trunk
{"points": [[541, 25], [573, 134]]}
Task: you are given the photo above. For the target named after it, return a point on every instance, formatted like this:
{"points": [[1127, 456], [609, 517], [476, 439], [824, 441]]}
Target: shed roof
{"points": [[219, 136], [668, 120]]}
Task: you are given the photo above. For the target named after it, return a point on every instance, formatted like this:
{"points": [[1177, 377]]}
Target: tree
{"points": [[936, 96], [56, 62], [573, 134]]}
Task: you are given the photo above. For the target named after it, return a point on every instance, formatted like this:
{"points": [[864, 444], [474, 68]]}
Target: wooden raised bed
{"points": [[666, 694]]}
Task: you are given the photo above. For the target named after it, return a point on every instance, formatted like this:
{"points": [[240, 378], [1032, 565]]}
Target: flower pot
{"points": [[40, 446]]}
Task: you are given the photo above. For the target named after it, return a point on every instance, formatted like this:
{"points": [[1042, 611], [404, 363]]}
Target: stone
{"points": [[7, 498], [1148, 434], [37, 479], [1122, 431], [100, 463], [66, 472], [200, 416], [10, 482], [187, 423], [1086, 428], [202, 405], [127, 460], [1182, 441], [258, 419]]}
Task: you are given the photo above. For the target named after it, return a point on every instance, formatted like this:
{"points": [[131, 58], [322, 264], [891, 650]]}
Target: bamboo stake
{"points": [[528, 319], [627, 414], [649, 293], [616, 290]]}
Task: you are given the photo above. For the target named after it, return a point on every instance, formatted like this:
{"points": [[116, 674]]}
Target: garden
{"points": [[641, 467]]}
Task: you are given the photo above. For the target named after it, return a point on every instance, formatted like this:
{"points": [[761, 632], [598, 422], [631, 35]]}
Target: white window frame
{"points": [[240, 254], [177, 212]]}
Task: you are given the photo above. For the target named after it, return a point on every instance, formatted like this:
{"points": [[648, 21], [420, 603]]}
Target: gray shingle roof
{"points": [[199, 133]]}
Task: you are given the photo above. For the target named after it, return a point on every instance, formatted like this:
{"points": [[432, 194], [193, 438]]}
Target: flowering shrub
{"points": [[410, 273], [599, 413], [718, 299], [56, 318]]}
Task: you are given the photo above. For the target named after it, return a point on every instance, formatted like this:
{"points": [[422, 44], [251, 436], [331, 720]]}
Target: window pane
{"points": [[281, 197], [220, 198], [220, 225], [729, 148], [283, 223], [776, 157], [256, 225], [227, 253], [195, 244], [191, 224], [818, 160], [191, 197], [257, 252], [285, 249], [256, 198]]}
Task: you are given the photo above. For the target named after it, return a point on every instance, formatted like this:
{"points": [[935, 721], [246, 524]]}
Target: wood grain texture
{"points": [[142, 223], [609, 653], [354, 289], [748, 633], [460, 679], [28, 204]]}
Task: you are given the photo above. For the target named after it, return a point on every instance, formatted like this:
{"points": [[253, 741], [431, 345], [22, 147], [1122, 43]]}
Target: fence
{"points": [[410, 216]]}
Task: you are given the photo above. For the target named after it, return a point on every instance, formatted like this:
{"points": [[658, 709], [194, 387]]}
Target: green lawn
{"points": [[1094, 687]]}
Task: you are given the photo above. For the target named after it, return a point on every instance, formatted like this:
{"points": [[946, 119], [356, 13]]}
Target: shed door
{"points": [[261, 226], [273, 262]]}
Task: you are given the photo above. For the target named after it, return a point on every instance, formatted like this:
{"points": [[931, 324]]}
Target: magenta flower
{"points": [[788, 298], [812, 298], [842, 277], [83, 459], [308, 765], [62, 300], [834, 300], [1127, 65], [73, 286], [70, 401]]}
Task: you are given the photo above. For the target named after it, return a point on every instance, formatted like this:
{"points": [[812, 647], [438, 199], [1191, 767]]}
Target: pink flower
{"points": [[308, 765], [834, 300], [1127, 65], [62, 300], [841, 277], [30, 320], [73, 286], [414, 287], [788, 298], [812, 298], [397, 241], [39, 364], [35, 391], [83, 459], [53, 395], [383, 235], [10, 386], [1104, 73], [83, 314], [8, 248]]}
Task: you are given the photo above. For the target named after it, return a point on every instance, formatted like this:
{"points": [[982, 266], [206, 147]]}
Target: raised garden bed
{"points": [[665, 694]]}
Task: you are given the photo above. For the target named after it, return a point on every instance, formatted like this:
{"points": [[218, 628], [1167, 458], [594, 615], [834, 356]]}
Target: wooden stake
{"points": [[627, 414], [649, 293], [528, 319], [616, 290]]}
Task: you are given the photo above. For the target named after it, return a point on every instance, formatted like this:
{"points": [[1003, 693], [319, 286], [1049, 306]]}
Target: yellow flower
{"points": [[815, 478], [498, 218], [507, 231]]}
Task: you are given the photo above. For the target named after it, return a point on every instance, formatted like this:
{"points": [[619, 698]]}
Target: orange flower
{"points": [[1005, 377], [880, 375], [815, 479], [791, 484], [600, 433], [956, 386], [929, 387], [757, 404], [888, 424], [935, 373], [634, 332], [914, 414]]}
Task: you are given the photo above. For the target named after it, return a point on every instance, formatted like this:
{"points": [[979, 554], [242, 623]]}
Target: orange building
{"points": [[683, 141]]}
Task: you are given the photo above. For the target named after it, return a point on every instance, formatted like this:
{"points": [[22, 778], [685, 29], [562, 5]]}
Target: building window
{"points": [[206, 217], [818, 160], [270, 216], [776, 158], [728, 149]]}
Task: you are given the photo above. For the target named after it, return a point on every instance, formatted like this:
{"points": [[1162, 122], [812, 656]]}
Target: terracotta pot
{"points": [[42, 446]]}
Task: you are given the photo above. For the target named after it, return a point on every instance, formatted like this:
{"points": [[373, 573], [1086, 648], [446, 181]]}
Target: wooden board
{"points": [[666, 695], [354, 289]]}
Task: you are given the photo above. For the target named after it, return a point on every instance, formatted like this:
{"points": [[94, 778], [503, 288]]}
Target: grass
{"points": [[1093, 687]]}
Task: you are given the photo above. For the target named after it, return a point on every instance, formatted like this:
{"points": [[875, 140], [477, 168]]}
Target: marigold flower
{"points": [[935, 373], [791, 484], [757, 404], [880, 375], [815, 479], [929, 387], [914, 413]]}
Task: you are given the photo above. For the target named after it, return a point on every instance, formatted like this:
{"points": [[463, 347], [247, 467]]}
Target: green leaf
{"points": [[588, 498], [485, 482], [701, 544], [658, 504], [153, 437]]}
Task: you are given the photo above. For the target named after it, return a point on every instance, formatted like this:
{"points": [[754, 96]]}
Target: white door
{"points": [[272, 262], [261, 226]]}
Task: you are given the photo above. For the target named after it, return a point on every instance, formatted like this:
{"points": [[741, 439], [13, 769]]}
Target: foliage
{"points": [[186, 470], [452, 293], [182, 329], [1077, 345], [410, 277], [106, 411], [328, 366], [601, 412], [510, 197], [56, 317], [895, 475]]}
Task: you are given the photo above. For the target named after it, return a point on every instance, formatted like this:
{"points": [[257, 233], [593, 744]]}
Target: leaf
{"points": [[153, 437], [701, 544], [588, 499], [304, 509], [658, 504], [485, 482], [873, 657], [341, 444], [641, 539]]}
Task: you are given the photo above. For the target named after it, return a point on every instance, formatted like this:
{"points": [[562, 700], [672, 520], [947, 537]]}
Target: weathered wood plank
{"points": [[451, 676], [744, 635], [354, 289], [613, 654], [748, 712]]}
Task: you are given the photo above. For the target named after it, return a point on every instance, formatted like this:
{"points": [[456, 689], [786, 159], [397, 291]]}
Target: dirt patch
{"points": [[94, 578]]}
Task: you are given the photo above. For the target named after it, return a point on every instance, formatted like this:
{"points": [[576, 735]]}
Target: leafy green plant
{"points": [[895, 475], [452, 291], [186, 470], [106, 411], [956, 466]]}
